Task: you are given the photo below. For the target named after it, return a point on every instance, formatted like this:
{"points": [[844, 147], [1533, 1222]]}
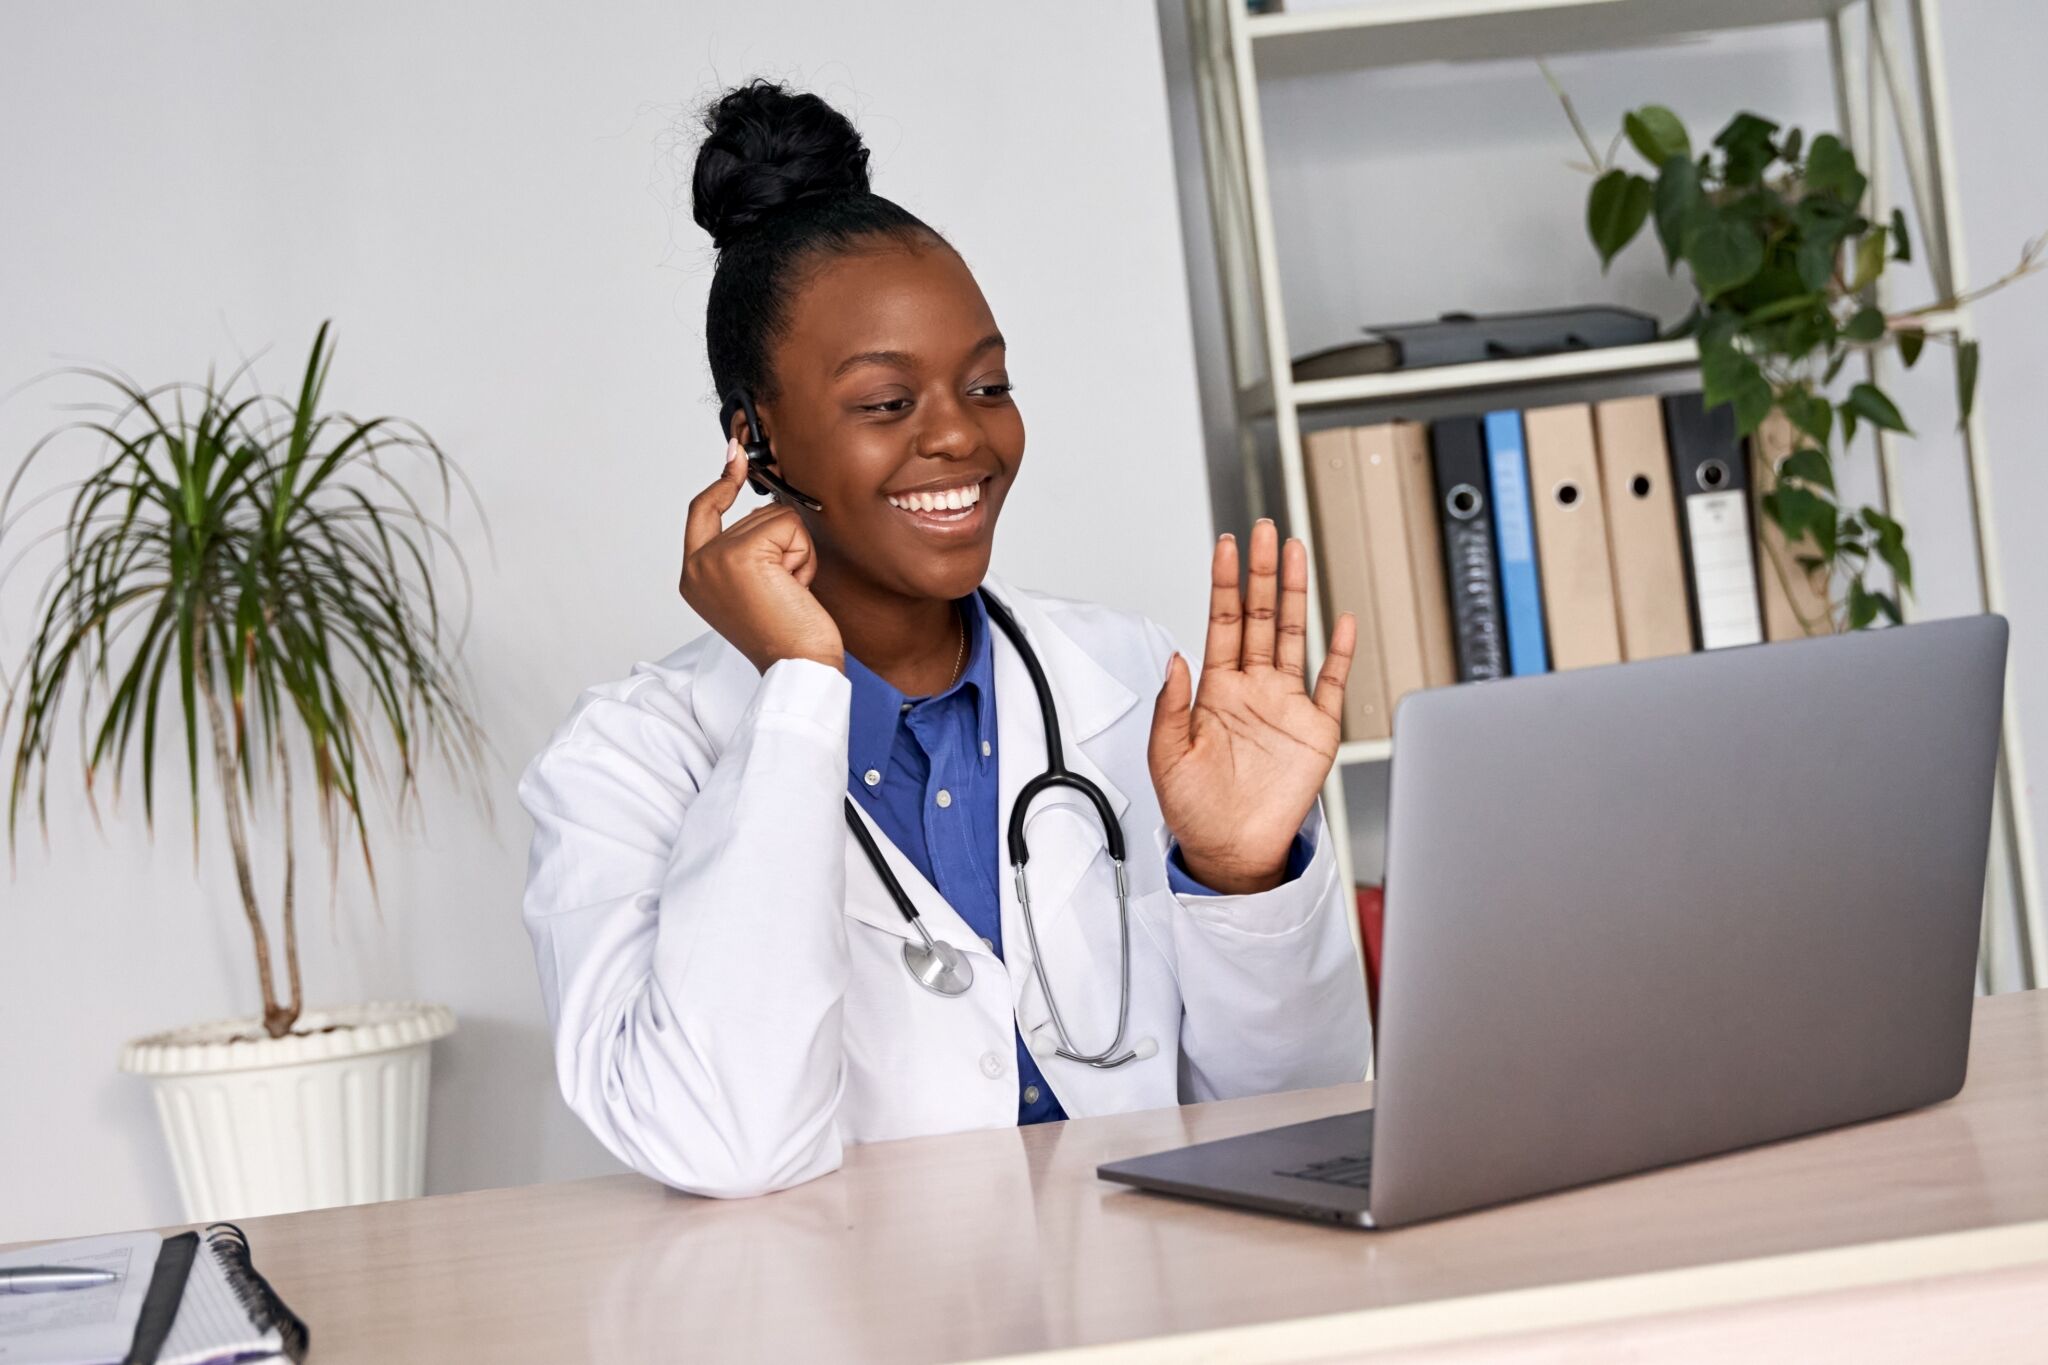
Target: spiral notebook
{"points": [[228, 1311], [192, 1299]]}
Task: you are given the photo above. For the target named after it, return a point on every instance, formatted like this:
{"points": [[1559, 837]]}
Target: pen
{"points": [[31, 1279]]}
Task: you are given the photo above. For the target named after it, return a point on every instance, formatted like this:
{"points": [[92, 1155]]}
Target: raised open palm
{"points": [[1237, 772]]}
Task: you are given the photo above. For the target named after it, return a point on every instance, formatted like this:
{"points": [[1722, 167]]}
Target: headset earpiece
{"points": [[761, 476]]}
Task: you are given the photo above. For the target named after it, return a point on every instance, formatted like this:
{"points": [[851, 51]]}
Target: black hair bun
{"points": [[770, 147]]}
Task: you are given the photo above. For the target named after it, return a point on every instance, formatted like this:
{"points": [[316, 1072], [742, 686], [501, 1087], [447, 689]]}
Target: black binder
{"points": [[1711, 479], [1458, 452]]}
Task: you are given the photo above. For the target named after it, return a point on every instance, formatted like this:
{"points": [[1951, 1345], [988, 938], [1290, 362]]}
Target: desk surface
{"points": [[1005, 1241]]}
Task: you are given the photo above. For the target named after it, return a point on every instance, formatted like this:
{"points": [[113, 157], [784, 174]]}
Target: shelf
{"points": [[1362, 751], [1605, 363], [1608, 361], [1238, 54], [1403, 32]]}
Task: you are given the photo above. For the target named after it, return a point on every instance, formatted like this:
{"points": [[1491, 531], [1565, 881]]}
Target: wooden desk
{"points": [[1005, 1242]]}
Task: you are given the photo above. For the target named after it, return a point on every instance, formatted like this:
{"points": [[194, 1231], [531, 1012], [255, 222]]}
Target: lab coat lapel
{"points": [[1064, 835], [869, 901], [1062, 843], [723, 687]]}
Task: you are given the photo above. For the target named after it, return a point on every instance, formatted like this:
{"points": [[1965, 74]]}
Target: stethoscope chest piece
{"points": [[939, 967]]}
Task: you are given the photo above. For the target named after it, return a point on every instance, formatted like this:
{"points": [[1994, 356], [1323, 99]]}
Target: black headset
{"points": [[760, 475]]}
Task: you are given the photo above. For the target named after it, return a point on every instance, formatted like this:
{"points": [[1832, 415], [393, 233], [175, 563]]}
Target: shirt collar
{"points": [[877, 706]]}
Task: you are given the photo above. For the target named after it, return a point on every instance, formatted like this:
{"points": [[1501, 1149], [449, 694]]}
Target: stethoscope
{"points": [[943, 969], [933, 963]]}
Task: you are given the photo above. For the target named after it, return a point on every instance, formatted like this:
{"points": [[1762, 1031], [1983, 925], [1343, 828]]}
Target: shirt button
{"points": [[1030, 1094], [988, 943], [984, 749], [872, 778], [944, 798], [992, 1065]]}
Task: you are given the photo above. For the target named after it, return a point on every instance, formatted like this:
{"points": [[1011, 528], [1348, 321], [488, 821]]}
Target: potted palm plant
{"points": [[245, 578]]}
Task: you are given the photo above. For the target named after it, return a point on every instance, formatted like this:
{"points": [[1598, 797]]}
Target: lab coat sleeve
{"points": [[1273, 996], [690, 942]]}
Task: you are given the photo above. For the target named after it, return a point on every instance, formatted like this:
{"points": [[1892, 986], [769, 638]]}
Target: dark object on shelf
{"points": [[1465, 514], [1462, 338], [1710, 475]]}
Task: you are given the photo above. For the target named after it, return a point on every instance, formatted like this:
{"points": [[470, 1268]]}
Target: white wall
{"points": [[489, 202]]}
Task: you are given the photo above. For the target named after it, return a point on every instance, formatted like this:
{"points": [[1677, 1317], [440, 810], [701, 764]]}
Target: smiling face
{"points": [[894, 411]]}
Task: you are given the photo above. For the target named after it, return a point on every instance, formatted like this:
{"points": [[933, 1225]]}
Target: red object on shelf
{"points": [[1372, 902]]}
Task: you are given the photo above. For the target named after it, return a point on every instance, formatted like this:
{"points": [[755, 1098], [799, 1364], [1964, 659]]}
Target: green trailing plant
{"points": [[248, 564], [1786, 267]]}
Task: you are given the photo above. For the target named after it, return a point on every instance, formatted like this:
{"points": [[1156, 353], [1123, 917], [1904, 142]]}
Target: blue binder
{"points": [[1507, 467]]}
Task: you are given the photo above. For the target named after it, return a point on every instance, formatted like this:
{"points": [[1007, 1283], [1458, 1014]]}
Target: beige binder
{"points": [[1377, 451], [1571, 537], [1426, 554], [1790, 592], [1344, 571], [1642, 529]]}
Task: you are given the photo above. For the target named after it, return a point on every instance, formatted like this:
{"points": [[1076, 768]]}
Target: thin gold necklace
{"points": [[959, 655]]}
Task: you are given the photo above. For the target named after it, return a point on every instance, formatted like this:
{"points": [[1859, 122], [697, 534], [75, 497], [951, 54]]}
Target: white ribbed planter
{"points": [[334, 1113]]}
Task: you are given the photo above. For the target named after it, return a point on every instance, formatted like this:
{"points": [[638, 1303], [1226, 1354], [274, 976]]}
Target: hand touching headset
{"points": [[751, 581]]}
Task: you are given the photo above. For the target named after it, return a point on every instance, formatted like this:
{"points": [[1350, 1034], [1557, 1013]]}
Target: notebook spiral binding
{"points": [[230, 1246]]}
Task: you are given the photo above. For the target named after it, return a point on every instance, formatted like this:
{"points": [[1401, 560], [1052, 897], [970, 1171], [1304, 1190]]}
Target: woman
{"points": [[735, 990]]}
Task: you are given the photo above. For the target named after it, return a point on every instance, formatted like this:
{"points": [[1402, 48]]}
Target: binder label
{"points": [[1724, 574]]}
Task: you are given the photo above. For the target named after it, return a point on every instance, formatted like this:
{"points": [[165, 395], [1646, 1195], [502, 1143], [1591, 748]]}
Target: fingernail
{"points": [[732, 450]]}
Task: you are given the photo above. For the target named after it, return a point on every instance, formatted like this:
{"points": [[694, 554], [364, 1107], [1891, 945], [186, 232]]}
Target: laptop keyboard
{"points": [[1355, 1171]]}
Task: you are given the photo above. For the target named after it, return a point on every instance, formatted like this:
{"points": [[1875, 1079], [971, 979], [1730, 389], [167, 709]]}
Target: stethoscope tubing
{"points": [[948, 972]]}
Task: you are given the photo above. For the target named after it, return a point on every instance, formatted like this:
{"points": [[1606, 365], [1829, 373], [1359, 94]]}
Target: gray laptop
{"points": [[1642, 914]]}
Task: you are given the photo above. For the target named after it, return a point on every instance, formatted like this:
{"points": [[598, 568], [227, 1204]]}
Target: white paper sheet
{"points": [[79, 1326]]}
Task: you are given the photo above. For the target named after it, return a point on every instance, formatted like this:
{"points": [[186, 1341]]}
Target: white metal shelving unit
{"points": [[1882, 75]]}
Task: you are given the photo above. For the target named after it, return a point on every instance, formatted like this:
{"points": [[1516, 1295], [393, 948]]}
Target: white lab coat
{"points": [[723, 969]]}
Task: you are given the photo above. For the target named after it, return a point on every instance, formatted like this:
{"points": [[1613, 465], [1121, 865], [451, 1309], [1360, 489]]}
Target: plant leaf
{"points": [[1869, 260], [1729, 376], [1911, 342], [1722, 254], [1866, 325], [1658, 134], [1890, 545], [1746, 148], [1815, 260], [1785, 307], [1808, 465], [1615, 212], [1831, 170], [1902, 249], [1797, 510], [1676, 199], [1809, 412], [1966, 380], [1869, 402]]}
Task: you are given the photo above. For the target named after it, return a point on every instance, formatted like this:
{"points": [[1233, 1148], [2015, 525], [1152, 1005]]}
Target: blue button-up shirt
{"points": [[925, 769]]}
